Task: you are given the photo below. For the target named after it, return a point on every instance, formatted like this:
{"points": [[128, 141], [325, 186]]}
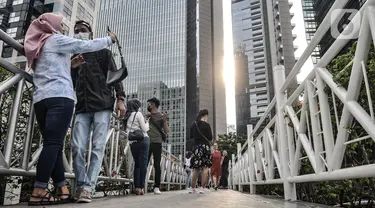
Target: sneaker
{"points": [[78, 193], [204, 191], [157, 191], [192, 191], [84, 197]]}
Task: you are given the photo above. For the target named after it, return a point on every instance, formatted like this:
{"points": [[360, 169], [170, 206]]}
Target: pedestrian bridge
{"points": [[182, 199], [328, 136]]}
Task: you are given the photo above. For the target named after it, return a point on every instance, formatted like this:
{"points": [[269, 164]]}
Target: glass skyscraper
{"points": [[161, 46], [262, 33]]}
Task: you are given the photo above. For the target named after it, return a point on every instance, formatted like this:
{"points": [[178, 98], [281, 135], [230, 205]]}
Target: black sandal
{"points": [[42, 202], [69, 198], [66, 200]]}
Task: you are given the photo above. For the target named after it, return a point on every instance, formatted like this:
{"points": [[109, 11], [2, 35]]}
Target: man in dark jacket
{"points": [[95, 102]]}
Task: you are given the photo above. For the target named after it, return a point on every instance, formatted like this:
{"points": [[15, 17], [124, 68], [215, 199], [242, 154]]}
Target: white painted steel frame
{"points": [[278, 147]]}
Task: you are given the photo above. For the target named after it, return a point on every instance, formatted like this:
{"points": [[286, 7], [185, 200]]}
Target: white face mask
{"points": [[82, 36]]}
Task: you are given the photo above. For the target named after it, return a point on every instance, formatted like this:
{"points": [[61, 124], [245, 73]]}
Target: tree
{"points": [[229, 142]]}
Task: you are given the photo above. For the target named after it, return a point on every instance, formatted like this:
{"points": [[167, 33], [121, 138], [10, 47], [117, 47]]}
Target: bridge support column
{"points": [[251, 158], [281, 98]]}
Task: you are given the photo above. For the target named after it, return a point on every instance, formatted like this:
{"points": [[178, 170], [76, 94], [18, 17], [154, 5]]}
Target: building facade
{"points": [[321, 8], [17, 15], [264, 30], [173, 52], [242, 94], [310, 26]]}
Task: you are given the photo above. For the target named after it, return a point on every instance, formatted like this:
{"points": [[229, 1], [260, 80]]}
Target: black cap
{"points": [[155, 101]]}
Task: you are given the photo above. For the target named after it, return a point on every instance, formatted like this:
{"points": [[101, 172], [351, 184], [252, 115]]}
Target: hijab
{"points": [[39, 31], [131, 106]]}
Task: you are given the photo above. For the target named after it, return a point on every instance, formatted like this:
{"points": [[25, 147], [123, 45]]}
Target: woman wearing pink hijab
{"points": [[48, 53]]}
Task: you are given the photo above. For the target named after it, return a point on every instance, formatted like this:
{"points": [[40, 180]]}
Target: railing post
{"points": [[29, 137], [239, 162], [180, 175], [169, 162], [233, 172], [251, 159], [13, 123], [281, 98]]}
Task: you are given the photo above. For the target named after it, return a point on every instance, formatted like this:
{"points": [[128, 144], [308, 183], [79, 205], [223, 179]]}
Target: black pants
{"points": [[155, 150], [224, 178], [53, 116]]}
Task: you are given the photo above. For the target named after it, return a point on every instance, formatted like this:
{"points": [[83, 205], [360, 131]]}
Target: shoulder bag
{"points": [[136, 135], [163, 135]]}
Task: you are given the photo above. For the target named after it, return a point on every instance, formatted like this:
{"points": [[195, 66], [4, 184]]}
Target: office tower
{"points": [[264, 29], [310, 26], [17, 15], [321, 8], [174, 51], [241, 91]]}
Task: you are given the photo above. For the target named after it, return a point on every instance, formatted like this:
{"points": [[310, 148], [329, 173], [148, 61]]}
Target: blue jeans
{"points": [[53, 116], [140, 155], [188, 177], [100, 123]]}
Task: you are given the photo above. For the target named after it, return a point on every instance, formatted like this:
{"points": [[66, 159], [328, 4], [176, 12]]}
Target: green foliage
{"points": [[229, 142]]}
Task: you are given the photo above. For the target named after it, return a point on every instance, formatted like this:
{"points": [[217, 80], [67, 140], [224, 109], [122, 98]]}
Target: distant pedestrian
{"points": [[224, 170], [216, 166], [188, 169]]}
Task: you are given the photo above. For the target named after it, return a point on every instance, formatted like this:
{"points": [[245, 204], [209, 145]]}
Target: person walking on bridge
{"points": [[201, 133], [47, 52], [95, 102]]}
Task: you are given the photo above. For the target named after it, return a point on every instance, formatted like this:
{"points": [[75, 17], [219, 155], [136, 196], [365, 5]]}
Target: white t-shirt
{"points": [[187, 162], [139, 123]]}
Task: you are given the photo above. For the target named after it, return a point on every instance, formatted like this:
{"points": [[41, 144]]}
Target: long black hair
{"points": [[189, 154], [202, 113], [132, 105]]}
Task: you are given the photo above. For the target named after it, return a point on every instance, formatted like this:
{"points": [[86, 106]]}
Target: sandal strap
{"points": [[47, 196]]}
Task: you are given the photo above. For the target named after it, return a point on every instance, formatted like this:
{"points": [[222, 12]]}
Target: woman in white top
{"points": [[134, 120], [188, 170]]}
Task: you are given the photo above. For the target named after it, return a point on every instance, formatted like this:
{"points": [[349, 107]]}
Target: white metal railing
{"points": [[20, 149], [273, 155]]}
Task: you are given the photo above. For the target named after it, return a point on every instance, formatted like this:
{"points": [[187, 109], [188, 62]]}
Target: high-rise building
{"points": [[17, 15], [173, 51], [264, 30], [241, 91], [321, 8], [310, 26]]}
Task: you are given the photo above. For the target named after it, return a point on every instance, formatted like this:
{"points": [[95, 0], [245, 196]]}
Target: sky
{"points": [[300, 41]]}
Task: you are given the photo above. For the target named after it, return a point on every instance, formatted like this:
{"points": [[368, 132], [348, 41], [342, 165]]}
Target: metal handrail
{"points": [[281, 143]]}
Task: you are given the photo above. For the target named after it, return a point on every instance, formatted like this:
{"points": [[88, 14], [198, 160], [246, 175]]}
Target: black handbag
{"points": [[115, 77], [136, 135]]}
